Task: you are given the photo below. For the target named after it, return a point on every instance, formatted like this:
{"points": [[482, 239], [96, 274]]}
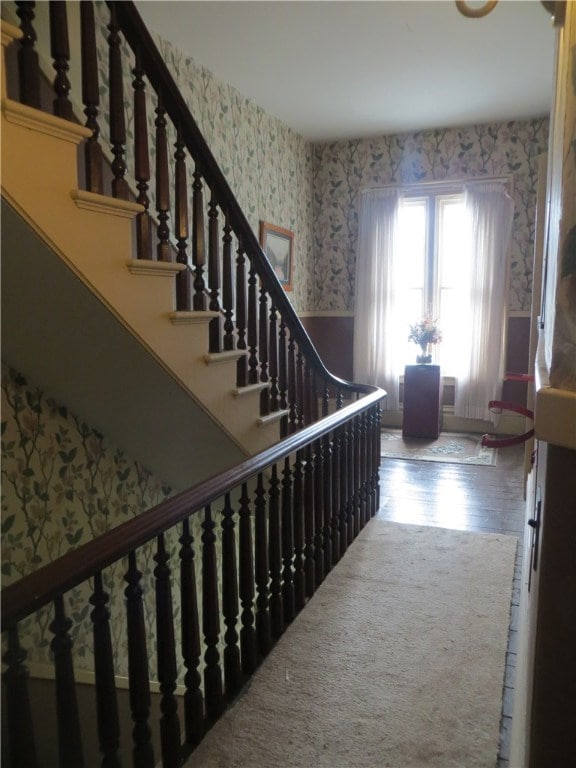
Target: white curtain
{"points": [[375, 335], [480, 377]]}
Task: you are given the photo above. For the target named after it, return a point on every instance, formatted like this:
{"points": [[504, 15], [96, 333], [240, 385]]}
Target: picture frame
{"points": [[278, 245]]}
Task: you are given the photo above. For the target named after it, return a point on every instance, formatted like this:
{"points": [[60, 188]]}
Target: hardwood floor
{"points": [[468, 498]]}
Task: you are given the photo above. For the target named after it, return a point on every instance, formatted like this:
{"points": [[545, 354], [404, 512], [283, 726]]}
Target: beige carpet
{"points": [[449, 447], [397, 661]]}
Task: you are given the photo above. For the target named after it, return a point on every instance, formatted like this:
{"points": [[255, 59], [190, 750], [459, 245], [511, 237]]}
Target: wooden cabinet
{"points": [[422, 401]]}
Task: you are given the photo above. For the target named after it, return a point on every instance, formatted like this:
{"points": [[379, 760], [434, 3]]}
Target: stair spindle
{"points": [[18, 714], [214, 340], [163, 248], [273, 391], [141, 162], [106, 703], [232, 674], [191, 649], [211, 620], [68, 719], [93, 158], [298, 521], [28, 66], [227, 292], [183, 287], [198, 241], [288, 592], [60, 52], [275, 551], [335, 495], [166, 659], [248, 639], [292, 391], [327, 503], [263, 348], [319, 539], [143, 751], [252, 326], [344, 499], [309, 532], [117, 119], [261, 570], [242, 365]]}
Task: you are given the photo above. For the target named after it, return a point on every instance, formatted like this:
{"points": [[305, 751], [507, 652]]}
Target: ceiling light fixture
{"points": [[557, 9]]}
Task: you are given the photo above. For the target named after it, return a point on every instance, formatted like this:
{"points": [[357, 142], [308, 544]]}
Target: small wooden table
{"points": [[422, 401]]}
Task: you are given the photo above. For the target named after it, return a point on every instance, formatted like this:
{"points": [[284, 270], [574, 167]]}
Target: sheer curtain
{"points": [[490, 210], [375, 334]]}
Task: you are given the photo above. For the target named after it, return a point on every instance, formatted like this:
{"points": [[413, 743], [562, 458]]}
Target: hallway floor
{"points": [[469, 498]]}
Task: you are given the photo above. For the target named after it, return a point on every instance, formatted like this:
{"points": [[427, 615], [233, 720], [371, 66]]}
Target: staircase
{"points": [[154, 313]]}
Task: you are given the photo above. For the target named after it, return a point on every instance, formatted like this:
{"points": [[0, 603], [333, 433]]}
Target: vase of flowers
{"points": [[424, 333]]}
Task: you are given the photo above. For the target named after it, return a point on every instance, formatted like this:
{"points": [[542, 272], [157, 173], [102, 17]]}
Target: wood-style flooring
{"points": [[467, 498]]}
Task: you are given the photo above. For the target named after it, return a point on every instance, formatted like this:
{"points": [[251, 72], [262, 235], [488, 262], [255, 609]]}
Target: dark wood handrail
{"points": [[152, 63], [39, 588]]}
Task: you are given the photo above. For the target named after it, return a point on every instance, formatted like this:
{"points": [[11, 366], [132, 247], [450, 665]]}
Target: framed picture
{"points": [[278, 245]]}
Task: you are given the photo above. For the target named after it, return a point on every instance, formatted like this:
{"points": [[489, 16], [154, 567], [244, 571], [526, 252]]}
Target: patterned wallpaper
{"points": [[342, 169]]}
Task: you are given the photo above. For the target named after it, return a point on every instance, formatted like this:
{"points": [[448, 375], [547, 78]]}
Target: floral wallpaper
{"points": [[342, 169]]}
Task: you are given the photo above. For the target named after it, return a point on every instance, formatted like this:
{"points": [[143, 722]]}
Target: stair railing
{"points": [[194, 220], [284, 518]]}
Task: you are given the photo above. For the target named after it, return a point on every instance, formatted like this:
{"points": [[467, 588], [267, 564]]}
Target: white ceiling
{"points": [[334, 70]]}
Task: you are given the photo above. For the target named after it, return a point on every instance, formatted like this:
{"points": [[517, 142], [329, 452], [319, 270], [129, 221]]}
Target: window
{"points": [[441, 250], [432, 274]]}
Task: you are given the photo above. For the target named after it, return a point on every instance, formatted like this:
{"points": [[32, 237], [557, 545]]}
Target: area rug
{"points": [[451, 447], [397, 661]]}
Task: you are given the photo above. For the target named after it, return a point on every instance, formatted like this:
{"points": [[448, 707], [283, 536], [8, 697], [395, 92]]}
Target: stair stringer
{"points": [[43, 148]]}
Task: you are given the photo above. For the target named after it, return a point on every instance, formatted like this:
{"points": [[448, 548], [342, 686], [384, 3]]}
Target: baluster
{"points": [[351, 501], [325, 399], [364, 466], [232, 677], [336, 500], [91, 99], [106, 703], [273, 361], [248, 645], [214, 275], [261, 570], [309, 522], [191, 651], [292, 393], [282, 376], [69, 735], [28, 67], [327, 501], [344, 498], [356, 472], [143, 751], [162, 183], [117, 119], [141, 161], [263, 350], [241, 370], [318, 512], [339, 399], [252, 326], [17, 707], [198, 241], [314, 404], [227, 300], [60, 52], [183, 295], [300, 398], [307, 394], [298, 518], [275, 550], [288, 594], [211, 620], [166, 659], [377, 426]]}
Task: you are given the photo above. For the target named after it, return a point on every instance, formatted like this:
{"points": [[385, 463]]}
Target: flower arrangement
{"points": [[426, 331]]}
